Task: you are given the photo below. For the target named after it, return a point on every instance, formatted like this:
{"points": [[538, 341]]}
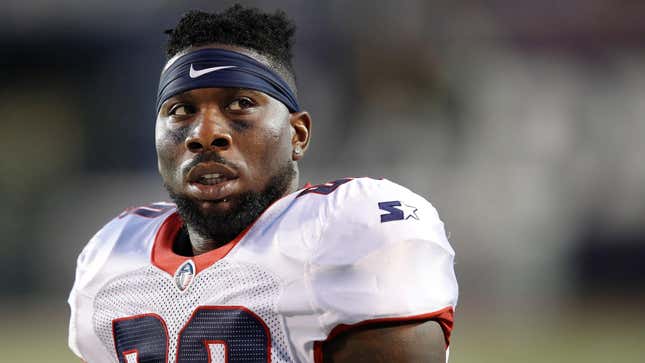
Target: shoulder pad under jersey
{"points": [[129, 235], [383, 252]]}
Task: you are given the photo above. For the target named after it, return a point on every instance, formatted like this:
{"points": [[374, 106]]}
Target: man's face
{"points": [[219, 148]]}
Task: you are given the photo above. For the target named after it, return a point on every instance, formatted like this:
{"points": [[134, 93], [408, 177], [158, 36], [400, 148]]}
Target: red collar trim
{"points": [[163, 257]]}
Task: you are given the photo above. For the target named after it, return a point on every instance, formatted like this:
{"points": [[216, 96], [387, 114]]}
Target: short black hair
{"points": [[270, 35]]}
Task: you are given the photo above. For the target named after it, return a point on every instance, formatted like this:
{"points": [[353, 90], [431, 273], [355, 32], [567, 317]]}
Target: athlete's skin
{"points": [[256, 136]]}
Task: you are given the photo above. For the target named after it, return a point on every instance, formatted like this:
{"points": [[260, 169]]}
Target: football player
{"points": [[245, 266]]}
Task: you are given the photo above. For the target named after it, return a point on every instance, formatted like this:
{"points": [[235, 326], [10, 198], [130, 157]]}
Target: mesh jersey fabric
{"points": [[316, 259]]}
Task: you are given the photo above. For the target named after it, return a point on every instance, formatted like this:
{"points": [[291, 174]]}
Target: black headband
{"points": [[214, 67]]}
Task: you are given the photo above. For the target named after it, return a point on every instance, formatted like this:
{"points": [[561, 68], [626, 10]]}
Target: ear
{"points": [[301, 133]]}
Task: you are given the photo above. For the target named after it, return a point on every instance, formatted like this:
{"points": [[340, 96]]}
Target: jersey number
{"points": [[231, 334], [324, 189]]}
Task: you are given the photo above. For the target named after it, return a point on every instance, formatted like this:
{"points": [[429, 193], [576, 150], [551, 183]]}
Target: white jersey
{"points": [[316, 262]]}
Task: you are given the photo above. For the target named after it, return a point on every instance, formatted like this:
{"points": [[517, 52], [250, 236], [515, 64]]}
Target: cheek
{"points": [[168, 144], [164, 133], [275, 147], [177, 136], [262, 147]]}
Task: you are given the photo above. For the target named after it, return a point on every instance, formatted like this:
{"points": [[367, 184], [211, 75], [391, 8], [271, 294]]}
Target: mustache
{"points": [[207, 157]]}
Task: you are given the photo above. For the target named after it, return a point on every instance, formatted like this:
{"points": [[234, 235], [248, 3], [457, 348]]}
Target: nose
{"points": [[209, 135]]}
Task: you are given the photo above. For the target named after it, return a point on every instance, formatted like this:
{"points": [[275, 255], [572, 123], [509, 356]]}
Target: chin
{"points": [[219, 207]]}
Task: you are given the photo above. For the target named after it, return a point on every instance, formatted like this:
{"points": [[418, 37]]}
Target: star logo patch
{"points": [[397, 211]]}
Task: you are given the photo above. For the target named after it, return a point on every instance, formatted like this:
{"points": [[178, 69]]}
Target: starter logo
{"points": [[397, 211]]}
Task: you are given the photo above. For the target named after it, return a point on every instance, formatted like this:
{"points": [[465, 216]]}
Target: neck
{"points": [[200, 244]]}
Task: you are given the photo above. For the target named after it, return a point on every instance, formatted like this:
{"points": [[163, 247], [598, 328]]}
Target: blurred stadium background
{"points": [[522, 121]]}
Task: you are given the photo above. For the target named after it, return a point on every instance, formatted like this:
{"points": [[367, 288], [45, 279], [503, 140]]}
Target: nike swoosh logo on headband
{"points": [[194, 73]]}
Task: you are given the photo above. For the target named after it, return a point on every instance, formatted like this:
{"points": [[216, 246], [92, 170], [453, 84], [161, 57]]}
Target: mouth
{"points": [[211, 179], [212, 182]]}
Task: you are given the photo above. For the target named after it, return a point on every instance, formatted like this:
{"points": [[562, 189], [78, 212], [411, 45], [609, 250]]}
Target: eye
{"points": [[181, 109], [240, 104]]}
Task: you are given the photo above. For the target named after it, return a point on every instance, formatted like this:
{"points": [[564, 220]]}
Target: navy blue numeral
{"points": [[244, 336], [324, 188], [143, 335]]}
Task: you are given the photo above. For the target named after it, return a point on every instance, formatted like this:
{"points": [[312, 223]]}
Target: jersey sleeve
{"points": [[383, 255], [126, 237], [94, 253]]}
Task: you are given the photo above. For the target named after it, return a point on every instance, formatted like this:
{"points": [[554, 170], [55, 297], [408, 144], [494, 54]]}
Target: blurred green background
{"points": [[521, 121]]}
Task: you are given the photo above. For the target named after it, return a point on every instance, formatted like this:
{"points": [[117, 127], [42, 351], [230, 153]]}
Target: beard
{"points": [[223, 228]]}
